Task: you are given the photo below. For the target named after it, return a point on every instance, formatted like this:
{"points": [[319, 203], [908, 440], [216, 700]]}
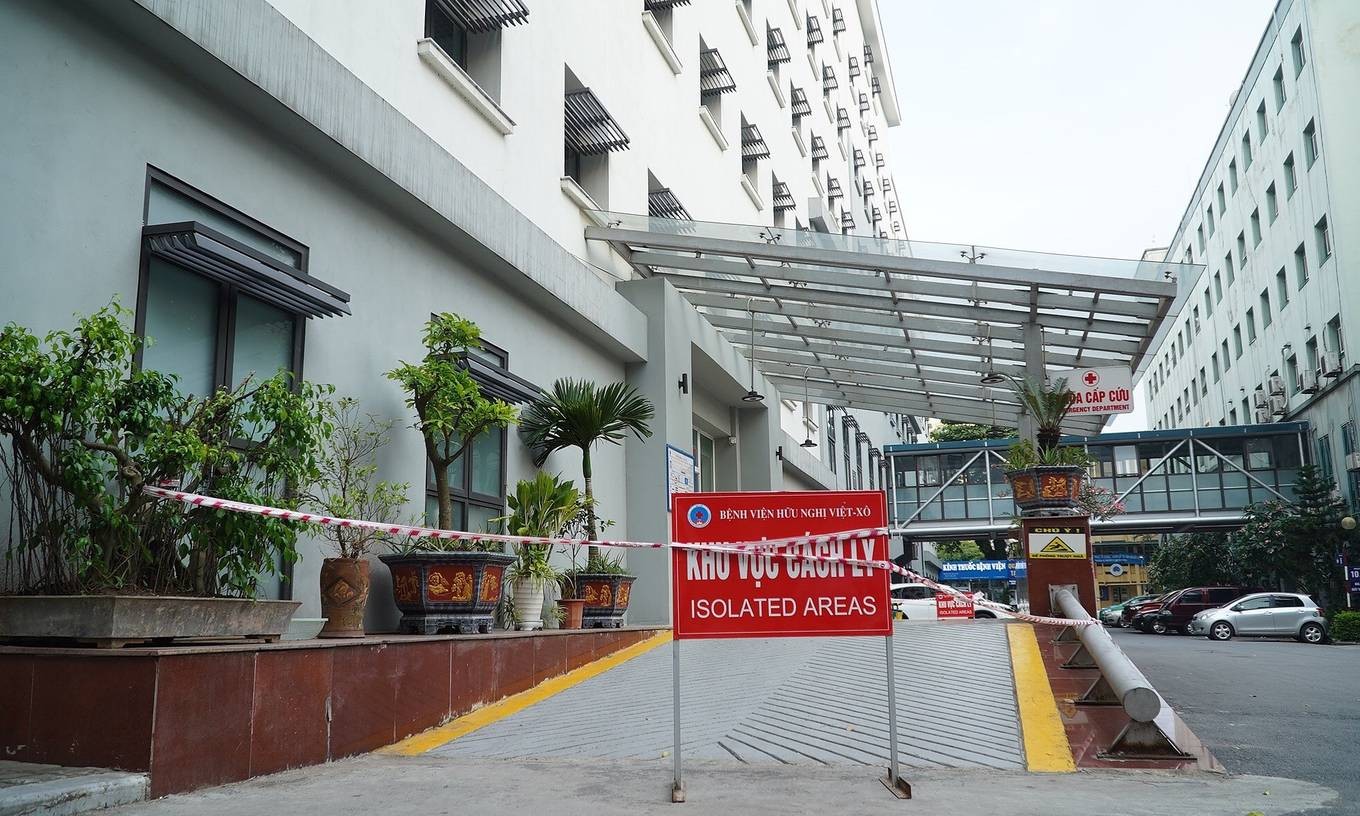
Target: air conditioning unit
{"points": [[1261, 416], [1308, 381], [1331, 363], [1278, 405], [1353, 461], [1275, 385], [1258, 399]]}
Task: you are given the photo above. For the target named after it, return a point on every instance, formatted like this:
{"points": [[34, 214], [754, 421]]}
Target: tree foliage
{"points": [[948, 431], [88, 431], [958, 551]]}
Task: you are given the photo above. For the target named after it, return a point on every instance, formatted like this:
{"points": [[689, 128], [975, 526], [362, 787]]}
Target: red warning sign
{"points": [[948, 605]]}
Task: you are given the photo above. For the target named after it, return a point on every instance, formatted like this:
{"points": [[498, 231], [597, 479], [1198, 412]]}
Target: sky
{"points": [[1071, 126]]}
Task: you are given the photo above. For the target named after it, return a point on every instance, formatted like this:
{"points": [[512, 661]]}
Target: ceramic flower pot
{"points": [[529, 603], [575, 608], [1046, 489], [606, 598], [344, 596], [447, 591]]}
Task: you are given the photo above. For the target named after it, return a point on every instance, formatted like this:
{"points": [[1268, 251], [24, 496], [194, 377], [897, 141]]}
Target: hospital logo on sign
{"points": [[699, 516]]}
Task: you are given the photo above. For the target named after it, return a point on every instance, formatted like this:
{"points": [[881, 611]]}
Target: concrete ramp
{"points": [[786, 701]]}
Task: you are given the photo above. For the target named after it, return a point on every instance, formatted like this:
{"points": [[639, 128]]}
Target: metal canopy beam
{"points": [[860, 354], [948, 385]]}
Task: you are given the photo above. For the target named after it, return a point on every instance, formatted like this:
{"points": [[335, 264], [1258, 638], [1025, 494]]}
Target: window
{"points": [[1262, 124], [1272, 203], [1241, 250], [1199, 236], [714, 81], [830, 435], [1265, 309], [1222, 201], [1296, 51], [1232, 177], [1209, 219], [1256, 227], [1281, 288], [1213, 361], [1324, 459], [1232, 417], [1300, 267], [1237, 342], [1285, 601], [1228, 267], [1280, 95], [1218, 288], [224, 296], [590, 134], [1250, 604], [1310, 144], [845, 448], [1195, 313], [753, 149], [705, 457], [1324, 240], [1208, 304], [476, 482], [663, 12], [1227, 361], [1203, 383], [1291, 181], [1291, 374], [470, 35], [1246, 150], [1251, 326], [1310, 353]]}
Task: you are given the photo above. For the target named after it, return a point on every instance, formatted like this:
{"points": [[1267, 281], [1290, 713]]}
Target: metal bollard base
{"points": [[1143, 740], [678, 792], [898, 786]]}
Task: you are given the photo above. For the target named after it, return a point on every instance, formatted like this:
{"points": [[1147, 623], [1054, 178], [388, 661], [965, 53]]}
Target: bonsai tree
{"points": [[1048, 404], [450, 409], [85, 433], [579, 414], [345, 485]]}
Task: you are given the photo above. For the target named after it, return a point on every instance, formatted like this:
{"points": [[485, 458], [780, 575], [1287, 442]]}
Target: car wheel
{"points": [[1121, 624], [1221, 630], [1312, 633], [1158, 628]]}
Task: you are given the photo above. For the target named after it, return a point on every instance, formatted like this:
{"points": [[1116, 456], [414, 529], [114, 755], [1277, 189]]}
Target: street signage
{"points": [[1104, 390], [1057, 541], [948, 605], [1352, 579], [727, 595], [974, 571], [679, 473]]}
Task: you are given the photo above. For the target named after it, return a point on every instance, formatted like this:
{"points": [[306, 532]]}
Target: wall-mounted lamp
{"points": [[779, 453], [684, 383]]}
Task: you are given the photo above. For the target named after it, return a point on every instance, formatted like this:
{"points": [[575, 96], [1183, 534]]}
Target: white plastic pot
{"points": [[529, 603]]}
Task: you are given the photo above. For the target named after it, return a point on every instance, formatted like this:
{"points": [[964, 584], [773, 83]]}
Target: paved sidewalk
{"points": [[429, 785]]}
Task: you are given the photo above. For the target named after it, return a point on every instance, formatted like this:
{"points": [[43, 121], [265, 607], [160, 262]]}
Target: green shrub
{"points": [[1346, 626]]}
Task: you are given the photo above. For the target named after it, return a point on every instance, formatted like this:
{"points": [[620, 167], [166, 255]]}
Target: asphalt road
{"points": [[1275, 707]]}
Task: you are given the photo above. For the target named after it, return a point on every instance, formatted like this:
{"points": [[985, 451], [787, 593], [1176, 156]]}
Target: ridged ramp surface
{"points": [[789, 700]]}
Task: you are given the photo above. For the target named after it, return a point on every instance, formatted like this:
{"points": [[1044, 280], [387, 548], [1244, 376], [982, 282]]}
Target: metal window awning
{"points": [[814, 31], [842, 119], [892, 206], [878, 215], [863, 103], [663, 5], [877, 89], [872, 134], [484, 15], [859, 157], [829, 83], [783, 199], [837, 21], [663, 204], [198, 248], [868, 55], [498, 383], [589, 128], [847, 220], [854, 67], [833, 188], [879, 161], [868, 188], [886, 184], [904, 326], [753, 145], [818, 149], [714, 78], [799, 106], [776, 50]]}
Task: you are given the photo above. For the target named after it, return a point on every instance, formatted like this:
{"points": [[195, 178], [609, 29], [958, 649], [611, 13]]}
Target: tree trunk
{"points": [[592, 531], [1048, 440], [441, 491]]}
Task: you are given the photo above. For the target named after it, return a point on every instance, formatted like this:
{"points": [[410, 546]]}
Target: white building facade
{"points": [[447, 155], [1264, 330]]}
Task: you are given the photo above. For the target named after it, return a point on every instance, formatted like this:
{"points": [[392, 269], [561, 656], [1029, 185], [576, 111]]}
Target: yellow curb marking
{"points": [[482, 717], [1046, 746]]}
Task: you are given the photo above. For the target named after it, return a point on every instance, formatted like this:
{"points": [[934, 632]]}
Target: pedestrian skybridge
{"points": [[1189, 479]]}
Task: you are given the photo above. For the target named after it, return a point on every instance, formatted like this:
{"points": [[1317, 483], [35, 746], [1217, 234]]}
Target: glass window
{"points": [[1259, 454], [1291, 181], [1191, 596], [180, 322], [169, 202], [263, 341], [1125, 460], [1285, 601], [1296, 50], [1260, 602], [1310, 143]]}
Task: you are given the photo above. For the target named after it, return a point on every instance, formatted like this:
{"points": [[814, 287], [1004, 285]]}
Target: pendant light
{"points": [[807, 428], [752, 395]]}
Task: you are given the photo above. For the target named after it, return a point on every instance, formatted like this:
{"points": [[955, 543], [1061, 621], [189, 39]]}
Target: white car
{"points": [[917, 602]]}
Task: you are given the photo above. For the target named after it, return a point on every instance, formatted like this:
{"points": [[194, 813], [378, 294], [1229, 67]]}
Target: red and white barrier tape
{"points": [[769, 547]]}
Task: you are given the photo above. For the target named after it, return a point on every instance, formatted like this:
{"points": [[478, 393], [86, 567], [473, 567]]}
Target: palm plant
{"points": [[1048, 404], [578, 414]]}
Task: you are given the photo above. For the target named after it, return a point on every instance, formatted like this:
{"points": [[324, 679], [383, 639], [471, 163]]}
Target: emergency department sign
{"points": [[1057, 541], [1106, 390], [732, 595]]}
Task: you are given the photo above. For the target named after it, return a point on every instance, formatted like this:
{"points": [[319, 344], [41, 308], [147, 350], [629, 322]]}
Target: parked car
{"points": [[1111, 615], [1175, 612], [917, 602], [1129, 616], [1263, 614]]}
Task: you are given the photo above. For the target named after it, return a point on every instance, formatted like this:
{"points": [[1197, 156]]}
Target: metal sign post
{"points": [[894, 781], [678, 785]]}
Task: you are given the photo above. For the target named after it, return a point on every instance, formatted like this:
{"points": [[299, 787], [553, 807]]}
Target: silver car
{"points": [[1263, 614]]}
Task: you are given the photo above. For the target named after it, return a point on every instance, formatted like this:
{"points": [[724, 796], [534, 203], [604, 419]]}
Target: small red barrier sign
{"points": [[793, 594], [952, 606]]}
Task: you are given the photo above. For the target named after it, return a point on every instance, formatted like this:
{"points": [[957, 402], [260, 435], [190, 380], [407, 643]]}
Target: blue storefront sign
{"points": [[1127, 559], [982, 570]]}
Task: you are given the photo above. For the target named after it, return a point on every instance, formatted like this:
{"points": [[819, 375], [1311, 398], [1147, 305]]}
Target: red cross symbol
{"points": [[1090, 378]]}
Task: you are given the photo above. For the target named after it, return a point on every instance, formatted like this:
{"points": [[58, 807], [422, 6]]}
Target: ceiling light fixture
{"points": [[752, 395]]}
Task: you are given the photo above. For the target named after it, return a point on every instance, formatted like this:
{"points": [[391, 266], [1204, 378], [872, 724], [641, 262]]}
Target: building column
{"points": [[759, 435], [1034, 367]]}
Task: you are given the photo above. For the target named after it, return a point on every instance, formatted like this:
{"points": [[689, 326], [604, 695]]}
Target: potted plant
{"points": [[1045, 477], [579, 414], [100, 559], [438, 583], [347, 488], [540, 507]]}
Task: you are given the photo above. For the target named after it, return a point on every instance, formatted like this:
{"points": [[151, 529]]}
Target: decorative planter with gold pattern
{"points": [[447, 591], [1046, 490], [606, 598]]}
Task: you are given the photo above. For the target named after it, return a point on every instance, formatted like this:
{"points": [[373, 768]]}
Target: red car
{"points": [[1129, 617]]}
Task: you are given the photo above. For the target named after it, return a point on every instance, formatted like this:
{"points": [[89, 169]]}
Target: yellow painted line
{"points": [[1046, 746], [482, 717]]}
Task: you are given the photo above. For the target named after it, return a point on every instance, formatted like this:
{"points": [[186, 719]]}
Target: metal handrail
{"points": [[1127, 684]]}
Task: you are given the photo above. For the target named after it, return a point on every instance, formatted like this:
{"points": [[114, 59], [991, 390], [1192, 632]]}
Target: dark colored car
{"points": [[1129, 615], [1175, 612]]}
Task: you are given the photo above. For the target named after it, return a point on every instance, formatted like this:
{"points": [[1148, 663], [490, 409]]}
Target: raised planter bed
{"points": [[447, 591], [111, 621]]}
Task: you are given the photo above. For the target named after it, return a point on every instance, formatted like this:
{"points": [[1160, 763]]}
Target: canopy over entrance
{"points": [[904, 326]]}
